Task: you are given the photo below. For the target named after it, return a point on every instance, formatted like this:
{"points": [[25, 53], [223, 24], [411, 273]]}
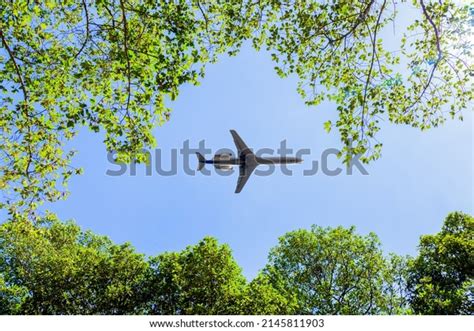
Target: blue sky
{"points": [[420, 178]]}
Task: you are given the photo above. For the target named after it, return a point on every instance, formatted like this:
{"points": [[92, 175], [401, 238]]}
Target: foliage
{"points": [[11, 297], [202, 279], [260, 297], [107, 65], [331, 271], [442, 276], [337, 51], [395, 289], [111, 65], [54, 268]]}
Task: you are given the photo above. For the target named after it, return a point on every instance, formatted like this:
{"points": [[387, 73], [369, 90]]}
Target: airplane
{"points": [[246, 160]]}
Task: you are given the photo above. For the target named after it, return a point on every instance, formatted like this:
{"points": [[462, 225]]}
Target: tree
{"points": [[395, 289], [441, 277], [202, 279], [11, 297], [108, 65], [331, 271], [111, 65], [336, 50], [260, 297], [55, 268], [50, 267]]}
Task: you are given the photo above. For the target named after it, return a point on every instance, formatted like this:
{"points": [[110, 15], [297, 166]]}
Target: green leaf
{"points": [[327, 126]]}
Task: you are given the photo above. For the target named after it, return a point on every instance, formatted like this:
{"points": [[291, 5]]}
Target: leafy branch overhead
{"points": [[110, 65], [337, 50]]}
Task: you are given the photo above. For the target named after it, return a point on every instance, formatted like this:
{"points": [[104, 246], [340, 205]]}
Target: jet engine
{"points": [[222, 157], [223, 167]]}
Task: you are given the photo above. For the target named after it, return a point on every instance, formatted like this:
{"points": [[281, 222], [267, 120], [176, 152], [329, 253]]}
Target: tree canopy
{"points": [[202, 279], [332, 271], [56, 268], [111, 65], [442, 276]]}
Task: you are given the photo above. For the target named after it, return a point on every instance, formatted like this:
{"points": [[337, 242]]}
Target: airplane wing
{"points": [[244, 174], [242, 149]]}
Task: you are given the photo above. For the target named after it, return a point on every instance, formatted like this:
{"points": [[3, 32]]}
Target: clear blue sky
{"points": [[421, 177]]}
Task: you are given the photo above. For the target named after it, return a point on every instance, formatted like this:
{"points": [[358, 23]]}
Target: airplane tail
{"points": [[202, 161]]}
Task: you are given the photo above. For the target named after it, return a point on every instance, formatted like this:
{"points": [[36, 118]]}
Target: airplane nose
{"points": [[298, 160]]}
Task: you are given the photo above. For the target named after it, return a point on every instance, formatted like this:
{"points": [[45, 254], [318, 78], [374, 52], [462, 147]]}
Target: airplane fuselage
{"points": [[257, 160]]}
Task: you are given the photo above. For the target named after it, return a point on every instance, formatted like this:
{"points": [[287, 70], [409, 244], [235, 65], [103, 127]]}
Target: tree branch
{"points": [[84, 5], [372, 61], [125, 46], [435, 29], [435, 65], [17, 68], [359, 20]]}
